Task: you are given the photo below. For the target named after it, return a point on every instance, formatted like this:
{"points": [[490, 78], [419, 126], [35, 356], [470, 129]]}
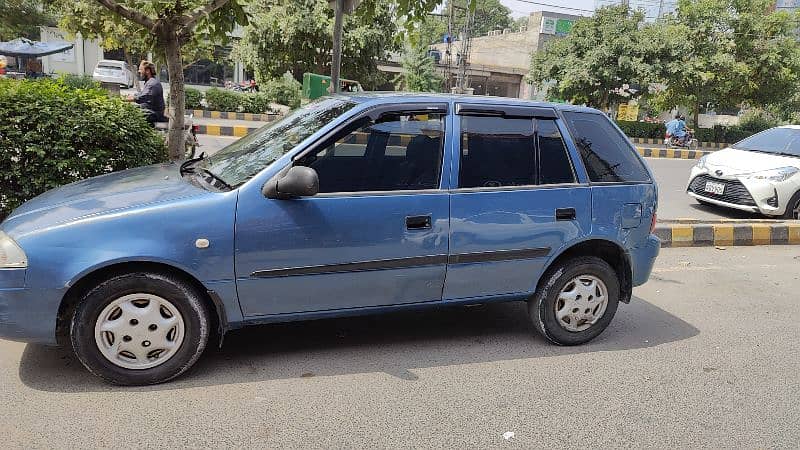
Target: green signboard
{"points": [[563, 27]]}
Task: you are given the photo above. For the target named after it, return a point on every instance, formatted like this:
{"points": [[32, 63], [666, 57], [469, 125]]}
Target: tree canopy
{"points": [[22, 18], [419, 73], [721, 53], [598, 58], [297, 36]]}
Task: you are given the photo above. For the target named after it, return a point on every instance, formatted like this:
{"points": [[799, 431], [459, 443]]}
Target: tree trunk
{"points": [[696, 116], [177, 101]]}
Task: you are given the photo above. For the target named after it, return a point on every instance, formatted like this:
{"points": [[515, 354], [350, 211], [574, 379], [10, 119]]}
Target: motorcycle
{"points": [[189, 135], [689, 141]]}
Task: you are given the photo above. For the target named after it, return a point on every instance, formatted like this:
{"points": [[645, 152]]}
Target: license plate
{"points": [[715, 188]]}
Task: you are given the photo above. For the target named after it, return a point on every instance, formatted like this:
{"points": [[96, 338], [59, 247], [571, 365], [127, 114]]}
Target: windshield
{"points": [[785, 141], [242, 160]]}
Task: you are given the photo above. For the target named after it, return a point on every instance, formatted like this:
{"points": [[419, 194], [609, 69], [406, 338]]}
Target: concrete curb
{"points": [[689, 233], [220, 130], [232, 115], [651, 141], [674, 153]]}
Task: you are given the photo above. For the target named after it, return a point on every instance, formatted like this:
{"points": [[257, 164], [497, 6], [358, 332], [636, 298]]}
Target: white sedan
{"points": [[758, 174], [115, 72]]}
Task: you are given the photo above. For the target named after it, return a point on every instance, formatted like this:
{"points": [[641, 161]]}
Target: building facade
{"points": [[499, 61], [653, 9]]}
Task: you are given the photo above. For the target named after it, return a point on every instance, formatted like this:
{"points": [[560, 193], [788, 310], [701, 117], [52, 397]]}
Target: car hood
{"points": [[734, 162], [100, 195]]}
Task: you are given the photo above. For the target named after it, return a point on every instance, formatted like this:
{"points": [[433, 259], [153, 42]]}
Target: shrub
{"points": [[52, 134], [643, 129], [757, 120], [223, 100], [193, 98], [79, 81], [257, 103], [285, 90]]}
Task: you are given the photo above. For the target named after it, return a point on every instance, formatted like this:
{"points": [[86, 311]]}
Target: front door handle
{"points": [[565, 214], [418, 222]]}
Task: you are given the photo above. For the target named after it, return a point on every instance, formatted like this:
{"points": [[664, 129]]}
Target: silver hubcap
{"points": [[139, 331], [581, 303]]}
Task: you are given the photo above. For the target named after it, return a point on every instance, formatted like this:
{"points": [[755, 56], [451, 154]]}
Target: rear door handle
{"points": [[418, 222], [565, 214]]}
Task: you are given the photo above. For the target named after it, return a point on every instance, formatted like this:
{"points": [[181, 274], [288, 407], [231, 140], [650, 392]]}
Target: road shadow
{"points": [[725, 213], [395, 344]]}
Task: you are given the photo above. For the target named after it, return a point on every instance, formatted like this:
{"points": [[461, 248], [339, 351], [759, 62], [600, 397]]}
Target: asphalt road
{"points": [[704, 356]]}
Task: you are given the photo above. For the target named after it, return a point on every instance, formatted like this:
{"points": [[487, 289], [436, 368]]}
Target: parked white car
{"points": [[116, 72], [758, 174]]}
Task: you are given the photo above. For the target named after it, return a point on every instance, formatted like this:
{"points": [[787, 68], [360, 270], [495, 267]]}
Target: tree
{"points": [[296, 36], [419, 73], [94, 21], [172, 25], [489, 15], [600, 56], [733, 52], [22, 18]]}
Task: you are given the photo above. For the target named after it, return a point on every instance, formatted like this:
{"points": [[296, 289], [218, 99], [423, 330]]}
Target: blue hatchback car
{"points": [[358, 204]]}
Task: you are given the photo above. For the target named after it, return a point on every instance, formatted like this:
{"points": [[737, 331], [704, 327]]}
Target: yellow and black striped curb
{"points": [[651, 141], [728, 233], [221, 130], [675, 153], [233, 115]]}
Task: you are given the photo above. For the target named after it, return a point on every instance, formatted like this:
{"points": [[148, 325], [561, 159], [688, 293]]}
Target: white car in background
{"points": [[758, 174], [115, 72]]}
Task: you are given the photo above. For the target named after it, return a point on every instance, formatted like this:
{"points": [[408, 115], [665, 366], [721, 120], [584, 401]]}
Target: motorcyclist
{"points": [[677, 128], [151, 97]]}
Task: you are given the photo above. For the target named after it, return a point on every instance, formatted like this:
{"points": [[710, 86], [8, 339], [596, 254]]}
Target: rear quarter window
{"points": [[606, 154]]}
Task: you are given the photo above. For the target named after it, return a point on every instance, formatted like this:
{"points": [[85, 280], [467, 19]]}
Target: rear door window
{"points": [[497, 152], [554, 163], [605, 152]]}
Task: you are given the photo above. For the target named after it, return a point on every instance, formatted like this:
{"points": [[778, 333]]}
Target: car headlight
{"points": [[701, 164], [777, 175], [11, 255]]}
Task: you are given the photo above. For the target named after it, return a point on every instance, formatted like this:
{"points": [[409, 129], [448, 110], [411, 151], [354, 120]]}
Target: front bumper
{"points": [[765, 197], [27, 315], [643, 258]]}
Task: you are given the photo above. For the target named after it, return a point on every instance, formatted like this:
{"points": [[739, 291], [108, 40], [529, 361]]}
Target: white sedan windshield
{"points": [[783, 141]]}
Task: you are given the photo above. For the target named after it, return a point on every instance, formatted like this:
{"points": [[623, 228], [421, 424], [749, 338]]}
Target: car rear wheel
{"points": [[576, 301], [140, 328]]}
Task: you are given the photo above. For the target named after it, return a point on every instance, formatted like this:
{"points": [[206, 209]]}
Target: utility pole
{"points": [[465, 38], [449, 50], [340, 8], [336, 63], [660, 8]]}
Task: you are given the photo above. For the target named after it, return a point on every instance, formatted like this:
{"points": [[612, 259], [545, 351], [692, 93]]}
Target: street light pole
{"points": [[336, 63]]}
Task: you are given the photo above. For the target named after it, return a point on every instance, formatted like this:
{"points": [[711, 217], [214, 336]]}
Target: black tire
{"points": [[793, 204], [541, 307], [183, 297]]}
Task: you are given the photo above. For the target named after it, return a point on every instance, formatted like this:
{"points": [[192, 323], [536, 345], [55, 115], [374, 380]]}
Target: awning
{"points": [[32, 49]]}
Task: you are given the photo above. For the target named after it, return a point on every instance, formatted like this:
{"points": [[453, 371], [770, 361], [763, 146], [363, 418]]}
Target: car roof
{"points": [[391, 97], [111, 62]]}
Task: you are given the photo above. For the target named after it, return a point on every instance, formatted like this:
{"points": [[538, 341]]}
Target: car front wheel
{"points": [[793, 208], [576, 301], [140, 328]]}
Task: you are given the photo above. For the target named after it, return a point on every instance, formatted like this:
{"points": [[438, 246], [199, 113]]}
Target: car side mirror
{"points": [[298, 181]]}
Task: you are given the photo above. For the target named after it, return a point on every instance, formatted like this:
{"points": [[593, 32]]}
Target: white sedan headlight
{"points": [[11, 255], [777, 175]]}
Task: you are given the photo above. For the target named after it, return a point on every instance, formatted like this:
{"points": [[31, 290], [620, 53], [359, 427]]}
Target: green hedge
{"points": [[643, 129], [79, 81], [193, 98], [52, 134], [285, 90]]}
